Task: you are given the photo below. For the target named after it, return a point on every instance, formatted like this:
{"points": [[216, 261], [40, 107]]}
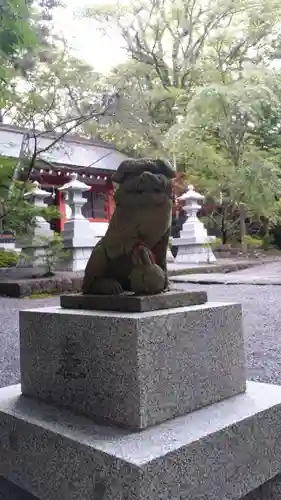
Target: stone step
{"points": [[222, 452]]}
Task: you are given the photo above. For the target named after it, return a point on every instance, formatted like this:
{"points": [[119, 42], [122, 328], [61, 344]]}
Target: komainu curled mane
{"points": [[132, 254]]}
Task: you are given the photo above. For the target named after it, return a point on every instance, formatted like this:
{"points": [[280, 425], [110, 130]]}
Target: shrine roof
{"points": [[72, 150]]}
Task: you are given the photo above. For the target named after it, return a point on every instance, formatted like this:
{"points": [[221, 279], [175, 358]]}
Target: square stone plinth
{"points": [[221, 452], [133, 369], [127, 302]]}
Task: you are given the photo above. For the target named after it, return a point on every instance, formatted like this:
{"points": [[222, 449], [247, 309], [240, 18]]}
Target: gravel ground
{"points": [[9, 335], [262, 327]]}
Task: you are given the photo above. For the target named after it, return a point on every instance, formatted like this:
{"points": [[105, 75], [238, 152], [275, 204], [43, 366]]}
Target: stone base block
{"points": [[271, 490], [128, 302], [169, 256], [194, 254], [133, 369], [78, 258], [222, 452], [27, 286], [9, 491], [33, 258]]}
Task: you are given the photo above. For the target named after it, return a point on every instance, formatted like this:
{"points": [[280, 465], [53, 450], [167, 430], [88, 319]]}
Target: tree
{"points": [[54, 252], [49, 107], [174, 37], [67, 87], [132, 127], [16, 32], [174, 46], [33, 147], [25, 31], [24, 39], [56, 93], [217, 135]]}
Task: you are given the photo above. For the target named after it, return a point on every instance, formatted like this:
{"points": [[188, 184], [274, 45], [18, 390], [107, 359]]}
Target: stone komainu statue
{"points": [[132, 254]]}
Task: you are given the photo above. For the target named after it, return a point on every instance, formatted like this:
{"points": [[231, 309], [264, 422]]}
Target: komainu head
{"points": [[145, 175]]}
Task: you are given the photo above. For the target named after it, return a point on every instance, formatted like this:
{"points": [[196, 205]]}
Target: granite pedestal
{"points": [[133, 369], [138, 406]]}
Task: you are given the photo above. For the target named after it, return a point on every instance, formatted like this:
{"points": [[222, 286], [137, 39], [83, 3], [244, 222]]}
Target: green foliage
{"points": [[179, 40], [42, 295], [66, 91], [24, 40], [253, 242], [216, 243], [24, 30], [187, 81], [8, 258], [17, 214], [176, 46], [57, 93], [217, 137], [16, 37], [267, 242], [16, 31], [7, 166]]}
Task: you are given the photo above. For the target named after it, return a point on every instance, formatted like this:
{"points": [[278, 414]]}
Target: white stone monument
{"points": [[170, 257], [78, 235], [194, 242], [33, 244]]}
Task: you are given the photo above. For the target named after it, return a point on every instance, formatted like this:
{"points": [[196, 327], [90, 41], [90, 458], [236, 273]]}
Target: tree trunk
{"points": [[243, 230], [223, 228], [265, 227], [224, 237]]}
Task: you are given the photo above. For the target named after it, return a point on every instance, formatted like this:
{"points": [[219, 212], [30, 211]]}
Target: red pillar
{"points": [[110, 203], [61, 207]]}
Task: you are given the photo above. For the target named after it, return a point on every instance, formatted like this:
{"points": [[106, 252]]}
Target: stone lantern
{"points": [[193, 243], [78, 234], [74, 190], [37, 197], [169, 255], [32, 245]]}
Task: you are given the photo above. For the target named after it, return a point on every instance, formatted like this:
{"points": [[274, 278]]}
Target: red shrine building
{"points": [[94, 161]]}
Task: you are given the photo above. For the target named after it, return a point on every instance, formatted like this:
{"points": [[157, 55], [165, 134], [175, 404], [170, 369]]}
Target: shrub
{"points": [[216, 244], [54, 252], [8, 258], [253, 242], [267, 242]]}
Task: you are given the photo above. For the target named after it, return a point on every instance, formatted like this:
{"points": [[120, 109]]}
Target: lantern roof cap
{"points": [[191, 194], [74, 184]]}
